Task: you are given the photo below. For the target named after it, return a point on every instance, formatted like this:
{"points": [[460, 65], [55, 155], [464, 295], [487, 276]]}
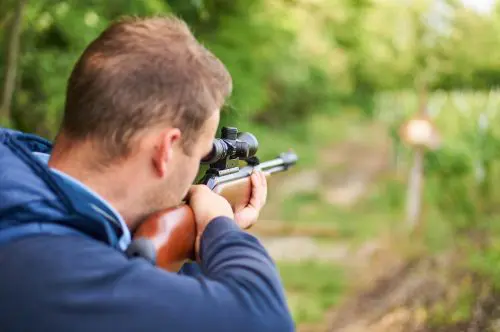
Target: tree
{"points": [[12, 62]]}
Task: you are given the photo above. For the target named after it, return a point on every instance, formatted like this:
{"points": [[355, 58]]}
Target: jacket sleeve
{"points": [[68, 283], [190, 269], [238, 289]]}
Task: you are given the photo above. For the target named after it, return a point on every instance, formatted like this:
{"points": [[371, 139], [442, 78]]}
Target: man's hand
{"points": [[206, 206], [246, 215]]}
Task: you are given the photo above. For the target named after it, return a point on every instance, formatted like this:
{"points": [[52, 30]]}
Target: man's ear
{"points": [[164, 149]]}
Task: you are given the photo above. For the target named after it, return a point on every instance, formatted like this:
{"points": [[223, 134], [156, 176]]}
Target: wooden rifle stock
{"points": [[173, 231]]}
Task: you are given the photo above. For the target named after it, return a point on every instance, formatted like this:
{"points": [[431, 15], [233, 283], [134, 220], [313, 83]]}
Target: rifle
{"points": [[167, 238]]}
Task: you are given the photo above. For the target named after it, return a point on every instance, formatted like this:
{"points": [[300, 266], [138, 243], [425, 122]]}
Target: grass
{"points": [[306, 138], [381, 209], [312, 288], [458, 309], [315, 287], [361, 222]]}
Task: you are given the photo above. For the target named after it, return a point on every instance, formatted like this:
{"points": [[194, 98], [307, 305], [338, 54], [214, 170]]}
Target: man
{"points": [[142, 108]]}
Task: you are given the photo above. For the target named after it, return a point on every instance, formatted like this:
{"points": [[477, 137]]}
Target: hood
{"points": [[32, 192]]}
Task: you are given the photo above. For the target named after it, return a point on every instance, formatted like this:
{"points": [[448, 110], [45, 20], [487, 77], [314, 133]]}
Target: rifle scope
{"points": [[232, 145]]}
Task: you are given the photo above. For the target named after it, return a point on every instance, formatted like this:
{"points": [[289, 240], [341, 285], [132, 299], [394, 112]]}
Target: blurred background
{"points": [[369, 231]]}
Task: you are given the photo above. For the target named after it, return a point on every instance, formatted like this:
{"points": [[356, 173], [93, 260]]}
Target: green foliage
{"points": [[460, 172], [483, 252], [461, 190], [486, 263], [273, 82], [288, 60], [296, 64]]}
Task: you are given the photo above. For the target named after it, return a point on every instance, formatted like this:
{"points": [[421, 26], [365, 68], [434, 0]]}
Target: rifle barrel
{"points": [[280, 164], [285, 160]]}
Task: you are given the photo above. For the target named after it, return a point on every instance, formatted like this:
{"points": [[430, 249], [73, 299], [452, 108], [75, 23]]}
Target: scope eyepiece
{"points": [[232, 145]]}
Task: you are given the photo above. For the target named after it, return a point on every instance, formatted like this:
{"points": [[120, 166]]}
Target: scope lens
{"points": [[219, 151], [244, 146], [252, 144]]}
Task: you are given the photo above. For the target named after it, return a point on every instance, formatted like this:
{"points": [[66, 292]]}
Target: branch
{"points": [[11, 64]]}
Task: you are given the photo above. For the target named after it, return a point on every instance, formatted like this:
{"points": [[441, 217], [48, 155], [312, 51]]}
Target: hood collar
{"points": [[26, 157]]}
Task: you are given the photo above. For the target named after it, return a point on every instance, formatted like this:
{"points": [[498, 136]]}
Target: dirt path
{"points": [[304, 248], [345, 173], [395, 301], [345, 170], [393, 293]]}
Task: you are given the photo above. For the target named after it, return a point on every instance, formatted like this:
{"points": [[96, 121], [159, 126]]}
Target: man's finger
{"points": [[256, 190], [263, 197], [263, 179]]}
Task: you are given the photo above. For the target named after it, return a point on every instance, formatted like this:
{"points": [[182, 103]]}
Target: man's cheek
{"points": [[196, 168], [194, 172]]}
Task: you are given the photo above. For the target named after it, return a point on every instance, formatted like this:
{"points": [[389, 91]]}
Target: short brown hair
{"points": [[139, 73]]}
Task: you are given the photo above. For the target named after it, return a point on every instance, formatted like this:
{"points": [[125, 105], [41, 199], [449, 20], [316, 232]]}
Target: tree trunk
{"points": [[12, 62]]}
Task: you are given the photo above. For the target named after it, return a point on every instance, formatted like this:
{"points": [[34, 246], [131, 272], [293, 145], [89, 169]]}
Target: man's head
{"points": [[145, 97]]}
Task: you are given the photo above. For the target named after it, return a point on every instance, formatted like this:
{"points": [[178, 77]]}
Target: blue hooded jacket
{"points": [[54, 278]]}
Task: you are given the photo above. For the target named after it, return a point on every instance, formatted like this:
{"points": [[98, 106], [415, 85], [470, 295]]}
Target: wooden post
{"points": [[421, 134], [415, 190], [416, 178]]}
